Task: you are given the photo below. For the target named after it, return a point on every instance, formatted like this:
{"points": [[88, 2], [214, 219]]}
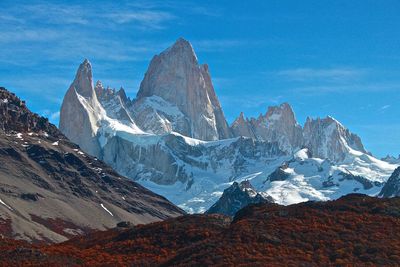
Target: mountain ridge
{"points": [[51, 190]]}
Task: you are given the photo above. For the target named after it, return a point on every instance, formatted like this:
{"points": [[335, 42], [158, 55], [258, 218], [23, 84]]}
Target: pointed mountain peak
{"points": [[122, 94], [83, 82], [282, 108], [176, 76], [182, 50], [283, 112], [328, 120], [239, 120], [241, 117], [328, 138], [182, 43], [99, 84]]}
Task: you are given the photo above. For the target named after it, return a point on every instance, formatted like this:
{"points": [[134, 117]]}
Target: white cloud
{"points": [[384, 108], [149, 19]]}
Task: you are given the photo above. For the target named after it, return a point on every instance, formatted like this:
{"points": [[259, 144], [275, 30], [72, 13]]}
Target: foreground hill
{"points": [[355, 229], [50, 190]]}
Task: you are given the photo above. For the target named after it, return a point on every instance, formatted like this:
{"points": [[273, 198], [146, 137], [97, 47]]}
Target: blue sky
{"points": [[338, 58]]}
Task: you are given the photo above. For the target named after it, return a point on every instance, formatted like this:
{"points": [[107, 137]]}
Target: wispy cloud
{"points": [[56, 14], [28, 35], [333, 74], [384, 108], [149, 19]]}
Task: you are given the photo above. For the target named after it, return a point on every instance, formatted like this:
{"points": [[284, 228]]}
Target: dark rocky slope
{"points": [[51, 191]]}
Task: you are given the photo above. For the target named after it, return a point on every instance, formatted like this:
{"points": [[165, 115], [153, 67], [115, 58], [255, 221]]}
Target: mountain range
{"points": [[173, 139]]}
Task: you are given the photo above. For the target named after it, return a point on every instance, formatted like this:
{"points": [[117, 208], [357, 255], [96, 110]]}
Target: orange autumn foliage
{"points": [[354, 230]]}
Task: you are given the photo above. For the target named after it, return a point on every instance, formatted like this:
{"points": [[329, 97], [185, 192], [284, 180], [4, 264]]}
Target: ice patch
{"points": [[2, 202], [106, 209]]}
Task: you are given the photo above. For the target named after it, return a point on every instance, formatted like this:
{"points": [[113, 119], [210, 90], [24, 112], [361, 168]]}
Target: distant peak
{"points": [[83, 83], [182, 42], [99, 84], [284, 106], [181, 49]]}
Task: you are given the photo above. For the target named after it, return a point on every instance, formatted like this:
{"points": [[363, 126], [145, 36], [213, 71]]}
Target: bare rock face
{"points": [[81, 111], [242, 127], [236, 197], [277, 125], [392, 186], [114, 102], [328, 138], [176, 80]]}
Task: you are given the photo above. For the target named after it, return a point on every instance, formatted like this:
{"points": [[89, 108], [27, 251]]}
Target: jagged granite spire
{"points": [[277, 125], [242, 127], [81, 111], [176, 79]]}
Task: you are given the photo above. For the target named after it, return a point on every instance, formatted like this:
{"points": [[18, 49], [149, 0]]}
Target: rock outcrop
{"points": [[236, 197], [392, 186]]}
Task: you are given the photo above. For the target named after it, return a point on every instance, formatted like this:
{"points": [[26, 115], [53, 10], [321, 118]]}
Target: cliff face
{"points": [[81, 111], [176, 78]]}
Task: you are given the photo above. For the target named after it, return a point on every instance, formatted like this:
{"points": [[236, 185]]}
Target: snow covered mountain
{"points": [[391, 159], [328, 138], [277, 125], [173, 139]]}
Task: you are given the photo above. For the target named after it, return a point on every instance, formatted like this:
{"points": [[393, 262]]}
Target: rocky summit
{"points": [[236, 197], [177, 95], [174, 140]]}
